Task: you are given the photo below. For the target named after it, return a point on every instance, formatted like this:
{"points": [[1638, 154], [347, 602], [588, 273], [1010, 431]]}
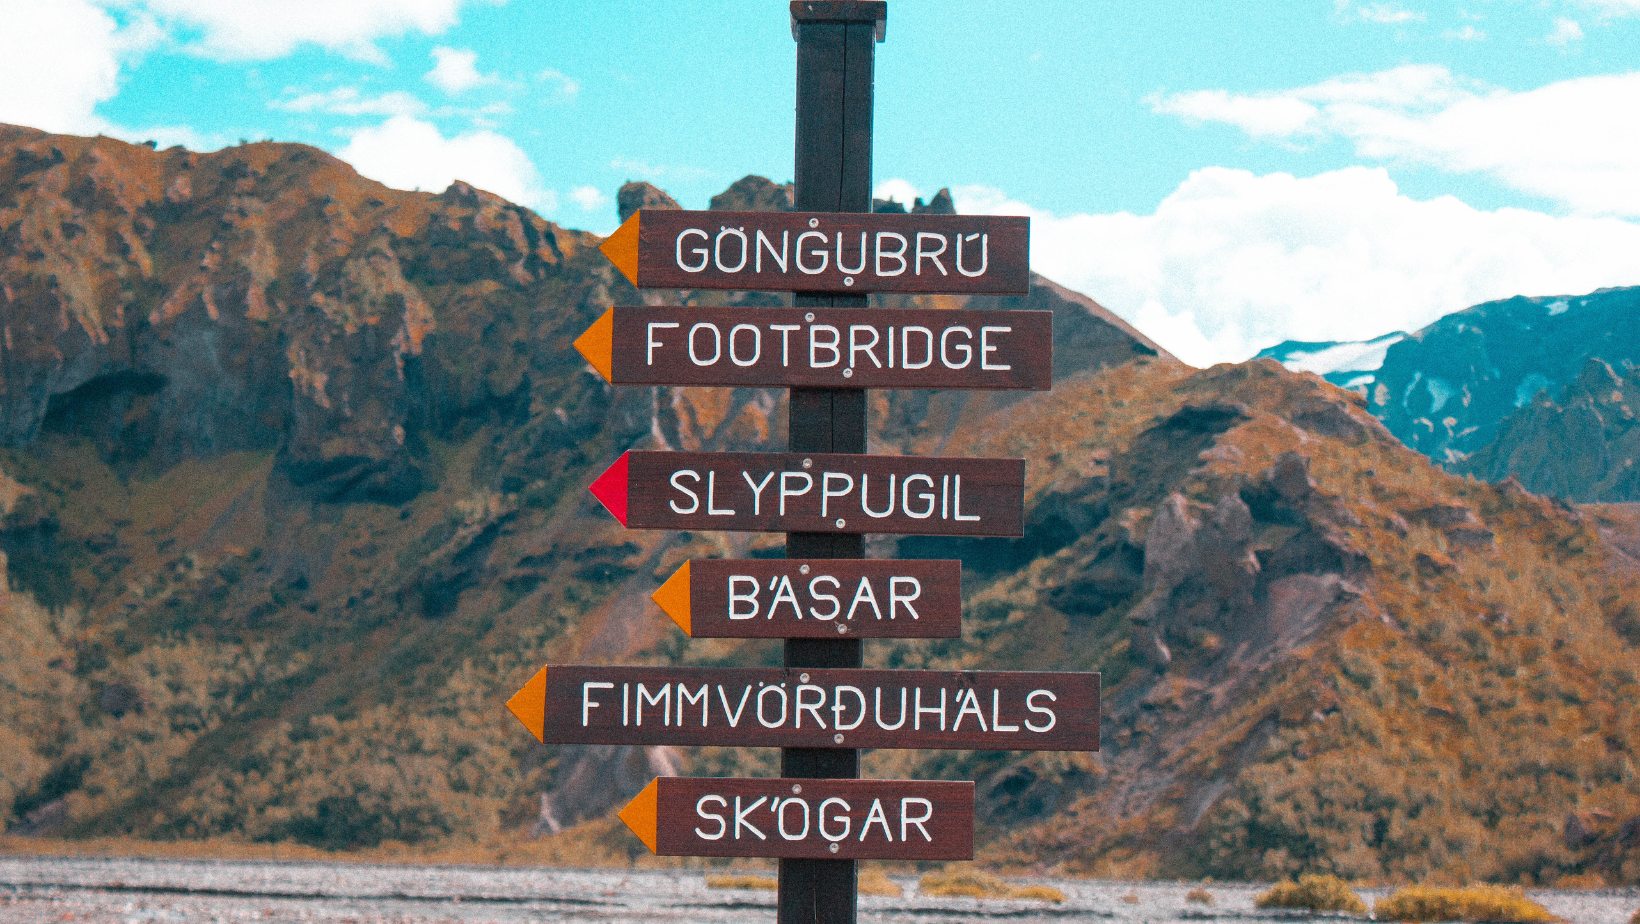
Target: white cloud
{"points": [[636, 169], [457, 70], [348, 101], [567, 86], [1565, 32], [588, 198], [239, 30], [408, 153], [898, 190], [1387, 14], [58, 60], [1613, 8], [1466, 34], [1231, 262], [1563, 141]]}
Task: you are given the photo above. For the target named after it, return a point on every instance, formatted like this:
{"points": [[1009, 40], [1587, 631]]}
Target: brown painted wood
{"points": [[832, 348], [777, 707], [799, 252], [864, 819], [819, 597], [715, 491]]}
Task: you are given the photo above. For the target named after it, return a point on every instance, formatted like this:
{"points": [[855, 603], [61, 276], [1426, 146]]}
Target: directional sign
{"points": [[822, 347], [854, 253], [809, 818], [814, 598], [815, 492], [808, 708]]}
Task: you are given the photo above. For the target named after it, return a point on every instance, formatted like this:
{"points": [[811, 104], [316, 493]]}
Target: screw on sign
{"points": [[814, 598], [822, 348], [823, 252], [814, 819]]}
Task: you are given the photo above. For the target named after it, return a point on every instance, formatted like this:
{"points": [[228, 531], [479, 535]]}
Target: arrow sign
{"points": [[851, 253], [814, 598], [809, 818], [815, 492], [822, 347], [807, 708]]}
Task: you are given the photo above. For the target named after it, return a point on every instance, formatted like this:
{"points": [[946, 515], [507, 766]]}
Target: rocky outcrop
{"points": [[635, 196], [1584, 447]]}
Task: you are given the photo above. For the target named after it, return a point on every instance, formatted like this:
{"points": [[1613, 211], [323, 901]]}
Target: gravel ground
{"points": [[131, 891]]}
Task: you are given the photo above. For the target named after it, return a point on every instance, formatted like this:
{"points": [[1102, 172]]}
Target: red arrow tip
{"points": [[610, 489]]}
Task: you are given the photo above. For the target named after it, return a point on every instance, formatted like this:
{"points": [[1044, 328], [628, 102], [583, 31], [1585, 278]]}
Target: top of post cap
{"points": [[872, 11]]}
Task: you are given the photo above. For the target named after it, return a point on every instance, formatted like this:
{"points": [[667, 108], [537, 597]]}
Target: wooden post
{"points": [[836, 51]]}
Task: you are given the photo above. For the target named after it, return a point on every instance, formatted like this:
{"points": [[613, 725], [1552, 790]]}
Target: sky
{"points": [[1225, 176]]}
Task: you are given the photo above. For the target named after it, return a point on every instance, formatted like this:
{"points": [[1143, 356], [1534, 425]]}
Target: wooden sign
{"points": [[846, 252], [815, 492], [811, 708], [804, 818], [814, 598], [822, 347]]}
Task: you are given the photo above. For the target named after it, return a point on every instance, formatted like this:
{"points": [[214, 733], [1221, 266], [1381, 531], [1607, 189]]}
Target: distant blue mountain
{"points": [[1345, 363]]}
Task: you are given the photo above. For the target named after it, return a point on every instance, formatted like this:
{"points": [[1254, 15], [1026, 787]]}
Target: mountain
{"points": [[1445, 390], [1347, 363], [292, 498]]}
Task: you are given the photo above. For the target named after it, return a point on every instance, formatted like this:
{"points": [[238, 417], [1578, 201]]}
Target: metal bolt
{"points": [[803, 569], [837, 738], [842, 629], [809, 316], [814, 222], [839, 522], [848, 280], [803, 677], [832, 848], [848, 373], [796, 789], [808, 463]]}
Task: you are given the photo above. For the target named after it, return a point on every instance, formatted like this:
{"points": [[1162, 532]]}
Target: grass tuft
{"points": [[741, 881], [1314, 893], [876, 882], [1476, 903], [1199, 897], [972, 884]]}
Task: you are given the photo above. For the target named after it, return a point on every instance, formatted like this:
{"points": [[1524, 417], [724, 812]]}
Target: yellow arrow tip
{"points": [[597, 344], [639, 814], [530, 705], [622, 247], [673, 598]]}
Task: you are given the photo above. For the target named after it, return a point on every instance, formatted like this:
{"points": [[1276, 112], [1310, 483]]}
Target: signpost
{"points": [[820, 707], [814, 598], [823, 251], [813, 819], [822, 348], [815, 492]]}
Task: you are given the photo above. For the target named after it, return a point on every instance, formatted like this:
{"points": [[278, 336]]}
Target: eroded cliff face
{"points": [[292, 498]]}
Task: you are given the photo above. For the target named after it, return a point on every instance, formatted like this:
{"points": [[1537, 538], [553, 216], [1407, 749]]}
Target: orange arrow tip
{"points": [[673, 598], [622, 247], [530, 705], [596, 346], [640, 813]]}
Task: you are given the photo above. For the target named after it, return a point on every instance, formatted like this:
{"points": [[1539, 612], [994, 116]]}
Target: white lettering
{"points": [[933, 255], [717, 249], [740, 818], [896, 255], [757, 344], [811, 708], [854, 270], [700, 811], [736, 598], [701, 251], [966, 350], [717, 344], [772, 688], [920, 710], [693, 497], [840, 815], [985, 347], [905, 347], [781, 819], [764, 243], [906, 820], [996, 714], [816, 345], [836, 605], [821, 250], [826, 493], [808, 482], [895, 598], [855, 347], [984, 253], [653, 343], [586, 697], [757, 490], [864, 593], [837, 707], [876, 816], [905, 497], [1030, 703]]}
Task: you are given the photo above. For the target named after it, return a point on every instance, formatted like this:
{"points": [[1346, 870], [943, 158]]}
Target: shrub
{"points": [[1314, 893], [741, 881], [1199, 897], [875, 882], [1476, 903], [971, 884]]}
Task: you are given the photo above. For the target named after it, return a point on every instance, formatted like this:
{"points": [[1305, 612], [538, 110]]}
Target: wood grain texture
{"points": [[776, 492], [832, 348], [864, 819], [845, 253], [861, 596], [777, 707]]}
